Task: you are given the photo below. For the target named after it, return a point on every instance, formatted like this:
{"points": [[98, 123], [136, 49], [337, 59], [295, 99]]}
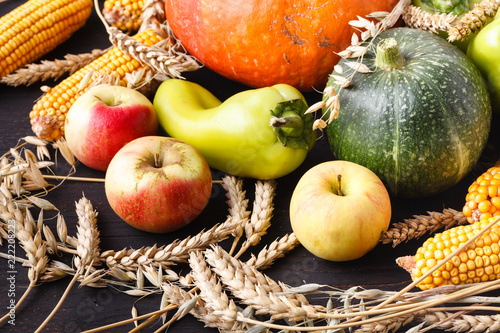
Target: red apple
{"points": [[339, 210], [158, 184], [104, 119]]}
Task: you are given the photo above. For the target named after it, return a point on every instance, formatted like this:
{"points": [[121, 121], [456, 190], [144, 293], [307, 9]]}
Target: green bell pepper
{"points": [[260, 133], [484, 51]]}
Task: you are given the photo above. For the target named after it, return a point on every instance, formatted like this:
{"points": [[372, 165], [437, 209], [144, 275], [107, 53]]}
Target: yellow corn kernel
{"points": [[36, 28], [124, 14], [49, 112], [482, 200], [478, 262]]}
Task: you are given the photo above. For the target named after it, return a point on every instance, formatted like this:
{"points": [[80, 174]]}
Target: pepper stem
{"points": [[388, 56], [291, 124]]}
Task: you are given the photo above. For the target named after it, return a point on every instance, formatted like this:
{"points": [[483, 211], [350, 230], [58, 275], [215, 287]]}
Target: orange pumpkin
{"points": [[264, 42]]}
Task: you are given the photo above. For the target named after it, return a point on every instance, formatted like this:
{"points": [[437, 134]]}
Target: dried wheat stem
{"points": [[260, 220], [130, 320], [188, 304], [421, 224], [51, 69], [179, 297], [60, 302], [31, 285], [81, 179], [145, 323]]}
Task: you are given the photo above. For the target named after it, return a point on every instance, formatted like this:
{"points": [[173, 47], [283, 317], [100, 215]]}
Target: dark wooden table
{"points": [[86, 307]]}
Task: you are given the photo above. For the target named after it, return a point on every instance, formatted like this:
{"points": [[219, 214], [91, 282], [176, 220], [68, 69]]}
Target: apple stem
{"points": [[157, 164], [339, 179]]}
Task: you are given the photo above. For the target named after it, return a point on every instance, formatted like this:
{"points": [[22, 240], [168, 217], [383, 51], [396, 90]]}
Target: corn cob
{"points": [[37, 27], [479, 262], [49, 112], [123, 14], [483, 197]]}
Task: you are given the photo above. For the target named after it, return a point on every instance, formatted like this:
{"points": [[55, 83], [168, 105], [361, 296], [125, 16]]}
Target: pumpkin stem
{"points": [[388, 56], [291, 124]]}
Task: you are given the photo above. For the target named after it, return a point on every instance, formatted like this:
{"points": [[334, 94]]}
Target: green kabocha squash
{"points": [[420, 119]]}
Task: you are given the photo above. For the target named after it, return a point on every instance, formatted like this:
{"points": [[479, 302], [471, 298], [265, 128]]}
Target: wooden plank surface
{"points": [[86, 307]]}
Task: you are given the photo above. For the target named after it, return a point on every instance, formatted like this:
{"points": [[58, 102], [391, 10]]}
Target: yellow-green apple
{"points": [[158, 184], [105, 118], [339, 210]]}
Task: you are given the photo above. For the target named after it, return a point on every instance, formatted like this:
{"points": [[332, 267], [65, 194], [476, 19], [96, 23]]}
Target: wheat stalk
{"points": [[262, 212], [417, 18], [275, 250], [462, 322], [170, 62], [214, 298], [165, 256], [87, 252], [153, 13], [257, 290], [420, 225], [178, 296], [389, 325], [87, 234], [55, 69], [457, 29], [474, 20], [32, 243]]}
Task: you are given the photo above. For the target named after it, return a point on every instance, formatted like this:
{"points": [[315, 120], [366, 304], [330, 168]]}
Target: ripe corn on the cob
{"points": [[123, 14], [479, 262], [37, 27], [483, 198], [49, 113]]}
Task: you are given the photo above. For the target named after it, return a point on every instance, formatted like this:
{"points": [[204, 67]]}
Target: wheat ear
{"points": [[262, 211], [277, 249], [463, 322], [214, 298], [257, 290], [87, 249], [46, 69], [31, 241], [420, 225]]}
